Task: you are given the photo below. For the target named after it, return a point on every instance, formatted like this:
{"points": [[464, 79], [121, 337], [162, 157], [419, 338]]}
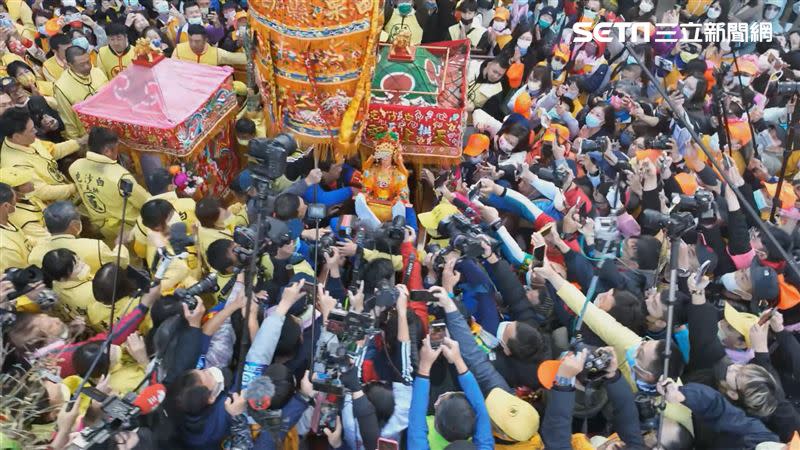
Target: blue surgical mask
{"points": [[630, 357], [81, 42], [521, 2], [501, 328], [473, 160], [592, 121], [41, 29], [195, 21], [522, 50], [156, 43], [544, 24], [132, 3], [589, 14], [431, 5]]}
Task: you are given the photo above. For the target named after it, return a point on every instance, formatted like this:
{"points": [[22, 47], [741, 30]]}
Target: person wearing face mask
{"points": [[643, 11], [499, 33], [199, 50], [773, 11], [64, 225], [19, 11], [469, 28], [402, 17], [71, 279], [98, 177], [178, 27], [28, 214]]}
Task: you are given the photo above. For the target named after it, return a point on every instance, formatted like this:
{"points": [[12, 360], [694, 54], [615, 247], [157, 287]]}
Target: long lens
{"points": [[204, 286], [653, 219]]}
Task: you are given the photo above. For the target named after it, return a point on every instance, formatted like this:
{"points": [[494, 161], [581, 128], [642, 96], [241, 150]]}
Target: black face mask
{"points": [[466, 21]]}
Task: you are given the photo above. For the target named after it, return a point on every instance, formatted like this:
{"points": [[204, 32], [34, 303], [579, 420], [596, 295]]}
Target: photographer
{"points": [[159, 216], [556, 425], [457, 416]]}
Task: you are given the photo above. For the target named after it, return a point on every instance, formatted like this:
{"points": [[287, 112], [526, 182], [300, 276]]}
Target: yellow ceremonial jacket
{"points": [[97, 179], [397, 23], [19, 11], [70, 89], [212, 56], [29, 219], [40, 157], [185, 209], [206, 237], [99, 313], [110, 63], [13, 248], [52, 69], [94, 252], [475, 34], [74, 298], [479, 93]]}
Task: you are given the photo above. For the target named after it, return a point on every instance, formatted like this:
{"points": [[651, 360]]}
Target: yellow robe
{"points": [[93, 252], [28, 217], [49, 184], [110, 63], [52, 69], [13, 248], [19, 11], [70, 89], [212, 56], [97, 179], [206, 237]]}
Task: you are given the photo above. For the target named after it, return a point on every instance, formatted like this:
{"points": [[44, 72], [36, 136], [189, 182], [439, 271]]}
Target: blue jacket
{"points": [[478, 294], [290, 415], [418, 426], [207, 430], [729, 422]]}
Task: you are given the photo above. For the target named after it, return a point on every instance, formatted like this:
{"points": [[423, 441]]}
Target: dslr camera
{"points": [[557, 176], [660, 142], [596, 365], [701, 204], [207, 285], [268, 156]]}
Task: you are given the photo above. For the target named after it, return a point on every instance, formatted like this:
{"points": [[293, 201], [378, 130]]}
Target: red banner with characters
{"points": [[424, 131]]}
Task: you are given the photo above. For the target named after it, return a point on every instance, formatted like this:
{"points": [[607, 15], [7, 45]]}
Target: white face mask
{"points": [[504, 145], [713, 13], [645, 7], [501, 329], [729, 282], [534, 86], [195, 21], [744, 79], [84, 271], [68, 3], [219, 379], [499, 26], [162, 7], [771, 14], [557, 65], [524, 44]]}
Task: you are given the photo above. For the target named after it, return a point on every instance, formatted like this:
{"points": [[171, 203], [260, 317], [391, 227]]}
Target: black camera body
{"points": [[660, 142], [207, 285], [276, 234], [326, 244], [675, 224], [701, 204], [268, 156], [557, 176], [23, 280], [597, 362]]}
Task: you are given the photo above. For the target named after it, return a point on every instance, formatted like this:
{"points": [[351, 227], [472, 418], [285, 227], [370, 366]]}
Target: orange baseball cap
{"points": [[52, 27], [514, 74], [476, 144], [547, 372], [502, 13], [522, 105]]}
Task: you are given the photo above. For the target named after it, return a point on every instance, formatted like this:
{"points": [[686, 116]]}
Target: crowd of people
{"points": [[589, 275]]}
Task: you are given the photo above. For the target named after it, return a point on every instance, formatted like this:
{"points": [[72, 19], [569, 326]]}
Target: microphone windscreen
{"points": [[150, 398], [259, 393]]}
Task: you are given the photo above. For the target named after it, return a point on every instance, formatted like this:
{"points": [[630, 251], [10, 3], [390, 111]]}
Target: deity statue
{"points": [[385, 177], [402, 49]]}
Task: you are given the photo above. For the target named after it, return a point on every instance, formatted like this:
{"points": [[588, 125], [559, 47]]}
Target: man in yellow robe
{"points": [[13, 247], [27, 215], [198, 50], [79, 82], [98, 178], [54, 66], [21, 149], [20, 12], [118, 54]]}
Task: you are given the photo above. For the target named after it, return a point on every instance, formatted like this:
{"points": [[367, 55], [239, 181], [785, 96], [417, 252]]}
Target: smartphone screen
{"points": [[421, 295], [438, 331], [387, 444]]}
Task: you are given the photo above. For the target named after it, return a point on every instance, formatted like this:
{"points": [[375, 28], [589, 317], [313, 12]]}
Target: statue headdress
{"points": [[387, 145]]}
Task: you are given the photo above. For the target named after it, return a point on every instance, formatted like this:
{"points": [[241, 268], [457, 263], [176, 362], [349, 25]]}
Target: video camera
{"points": [[268, 156], [701, 204], [205, 286], [276, 235], [23, 281], [334, 358], [465, 236], [675, 224]]}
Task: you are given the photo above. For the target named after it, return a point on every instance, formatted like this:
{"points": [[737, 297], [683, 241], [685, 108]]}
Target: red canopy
{"points": [[171, 107]]}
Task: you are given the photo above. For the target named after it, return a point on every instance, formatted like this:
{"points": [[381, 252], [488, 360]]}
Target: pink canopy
{"points": [[172, 106]]}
